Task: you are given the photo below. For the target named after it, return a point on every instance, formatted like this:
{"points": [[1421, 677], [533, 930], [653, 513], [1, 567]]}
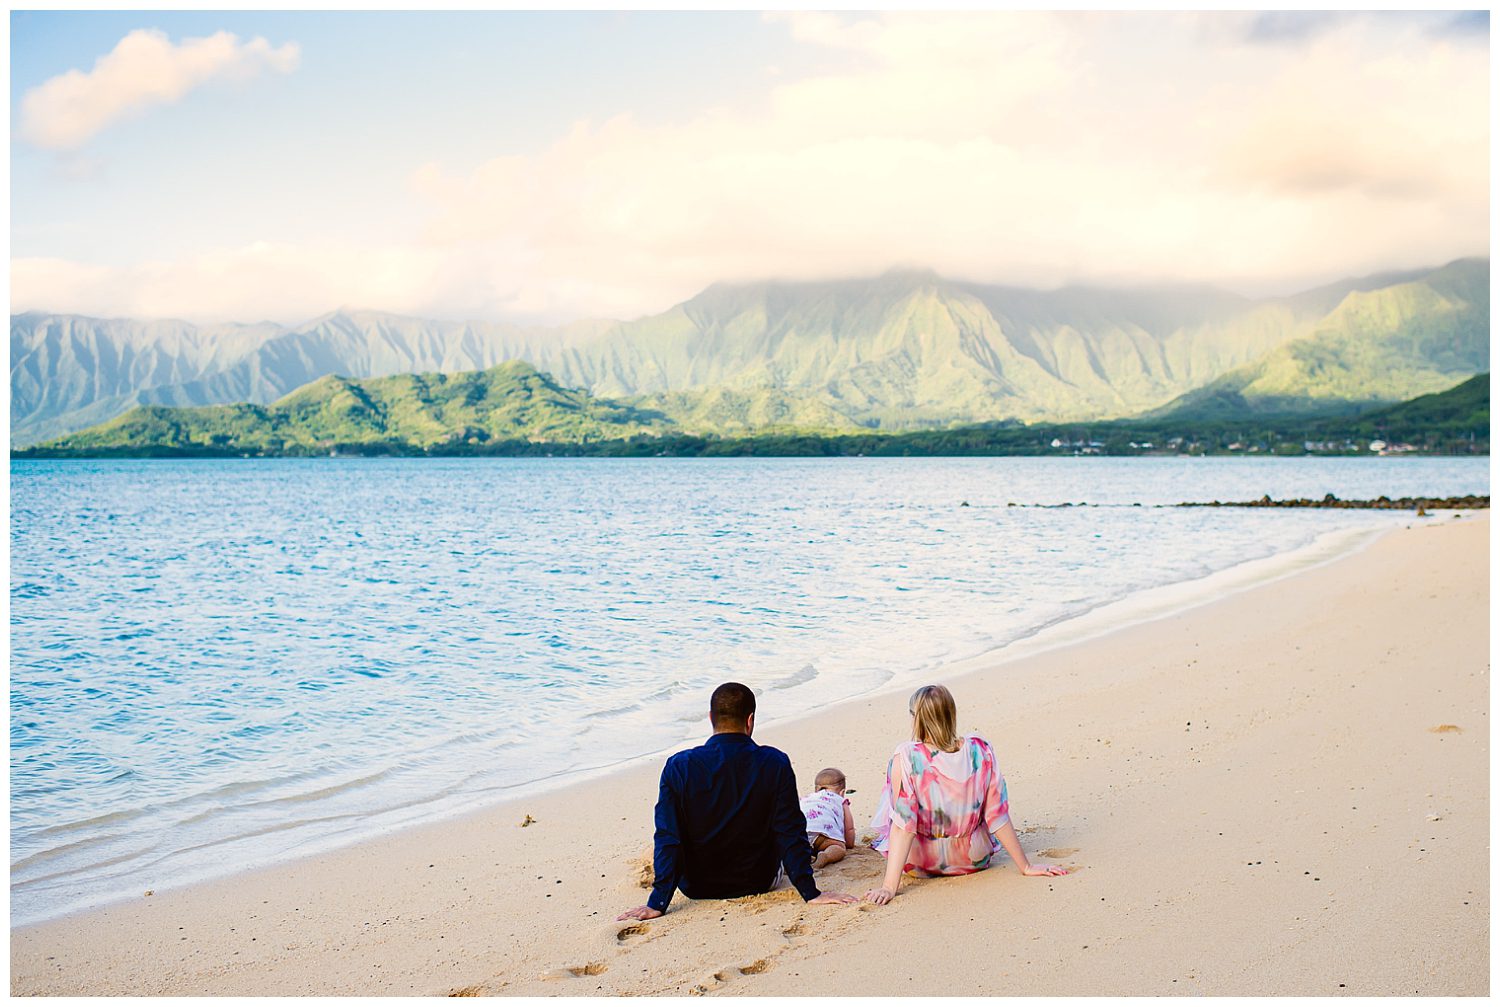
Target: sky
{"points": [[545, 167]]}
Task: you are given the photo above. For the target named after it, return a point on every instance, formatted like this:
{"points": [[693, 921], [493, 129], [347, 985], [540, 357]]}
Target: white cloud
{"points": [[143, 70], [1023, 148], [269, 281]]}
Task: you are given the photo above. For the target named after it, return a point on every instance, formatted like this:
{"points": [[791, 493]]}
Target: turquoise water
{"points": [[217, 664]]}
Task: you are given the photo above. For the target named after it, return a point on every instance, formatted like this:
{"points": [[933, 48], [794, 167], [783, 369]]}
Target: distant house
{"points": [[1377, 445], [1056, 442]]}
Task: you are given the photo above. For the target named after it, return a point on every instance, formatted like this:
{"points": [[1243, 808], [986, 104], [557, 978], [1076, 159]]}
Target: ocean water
{"points": [[218, 664]]}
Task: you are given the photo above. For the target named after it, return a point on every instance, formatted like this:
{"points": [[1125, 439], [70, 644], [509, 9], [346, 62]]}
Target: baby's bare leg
{"points": [[830, 851]]}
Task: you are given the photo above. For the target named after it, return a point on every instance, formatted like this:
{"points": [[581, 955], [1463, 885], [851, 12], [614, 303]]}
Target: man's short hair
{"points": [[731, 705]]}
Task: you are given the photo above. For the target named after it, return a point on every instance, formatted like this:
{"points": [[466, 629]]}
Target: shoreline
{"points": [[1107, 616], [317, 924], [1135, 608]]}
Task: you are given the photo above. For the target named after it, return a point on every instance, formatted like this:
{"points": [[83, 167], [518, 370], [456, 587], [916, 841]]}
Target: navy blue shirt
{"points": [[726, 818]]}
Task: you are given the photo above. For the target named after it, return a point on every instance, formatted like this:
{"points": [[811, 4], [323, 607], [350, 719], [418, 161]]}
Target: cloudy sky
{"points": [[256, 166]]}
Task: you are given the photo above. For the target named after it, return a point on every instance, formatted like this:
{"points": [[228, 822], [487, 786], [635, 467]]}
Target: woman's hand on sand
{"points": [[639, 913], [879, 896], [1043, 870]]}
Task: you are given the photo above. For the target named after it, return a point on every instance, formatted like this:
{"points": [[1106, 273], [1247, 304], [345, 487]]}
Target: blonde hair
{"points": [[828, 779], [935, 716]]}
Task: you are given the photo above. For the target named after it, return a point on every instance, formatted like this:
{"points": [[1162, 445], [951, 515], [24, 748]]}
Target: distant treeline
{"points": [[1096, 439]]}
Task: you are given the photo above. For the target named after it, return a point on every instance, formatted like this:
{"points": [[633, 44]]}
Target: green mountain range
{"points": [[733, 412], [1457, 413], [515, 409], [905, 350], [1375, 346], [511, 402]]}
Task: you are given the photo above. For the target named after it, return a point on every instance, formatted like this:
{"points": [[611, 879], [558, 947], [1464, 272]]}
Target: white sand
{"points": [[1252, 791]]}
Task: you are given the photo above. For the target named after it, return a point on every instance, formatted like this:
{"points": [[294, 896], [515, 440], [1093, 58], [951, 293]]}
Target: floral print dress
{"points": [[953, 801]]}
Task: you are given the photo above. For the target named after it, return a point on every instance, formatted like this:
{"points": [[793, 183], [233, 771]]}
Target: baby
{"points": [[830, 825]]}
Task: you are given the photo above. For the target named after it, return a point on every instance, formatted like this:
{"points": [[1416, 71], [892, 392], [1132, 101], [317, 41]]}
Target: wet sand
{"points": [[1281, 792]]}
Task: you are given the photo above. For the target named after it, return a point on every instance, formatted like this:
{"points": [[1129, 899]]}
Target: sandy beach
{"points": [[1281, 792]]}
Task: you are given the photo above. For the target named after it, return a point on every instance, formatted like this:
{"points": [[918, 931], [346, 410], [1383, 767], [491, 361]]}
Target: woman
{"points": [[944, 808]]}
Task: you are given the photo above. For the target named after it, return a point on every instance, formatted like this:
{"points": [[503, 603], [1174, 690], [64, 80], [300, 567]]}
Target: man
{"points": [[728, 817]]}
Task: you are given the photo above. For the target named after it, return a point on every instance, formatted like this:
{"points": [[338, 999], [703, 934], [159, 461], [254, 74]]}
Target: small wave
{"points": [[618, 711], [487, 737], [69, 872], [800, 677], [253, 808], [216, 811], [671, 689], [235, 788], [387, 813], [254, 833], [322, 793], [254, 731], [62, 850]]}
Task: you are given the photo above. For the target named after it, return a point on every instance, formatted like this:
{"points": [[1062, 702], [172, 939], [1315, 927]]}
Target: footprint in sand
{"points": [[634, 930], [643, 870], [715, 982], [591, 969], [1059, 852], [1446, 729], [712, 984], [795, 930], [760, 903], [756, 967], [468, 991]]}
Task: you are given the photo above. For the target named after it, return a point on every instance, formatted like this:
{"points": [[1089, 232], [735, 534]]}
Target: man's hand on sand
{"points": [[832, 899], [639, 913]]}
